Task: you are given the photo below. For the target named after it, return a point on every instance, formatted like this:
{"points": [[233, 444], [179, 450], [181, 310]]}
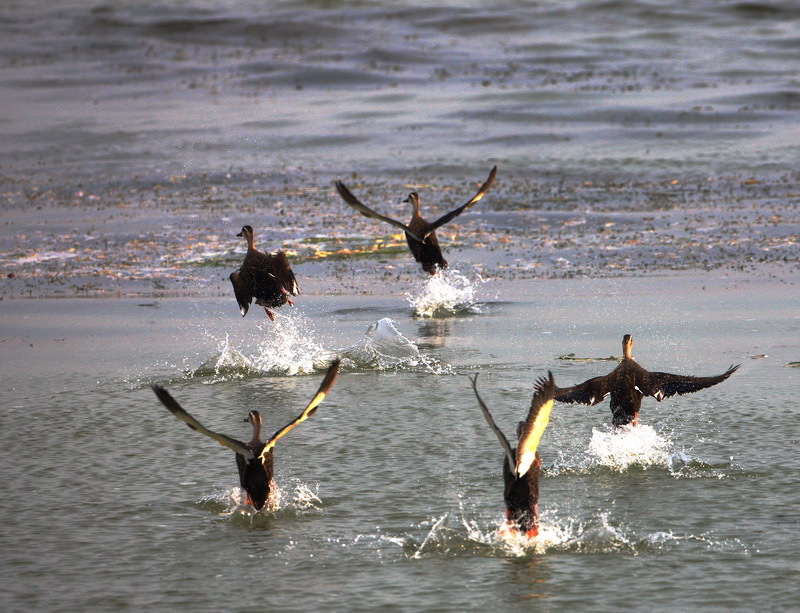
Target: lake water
{"points": [[647, 184]]}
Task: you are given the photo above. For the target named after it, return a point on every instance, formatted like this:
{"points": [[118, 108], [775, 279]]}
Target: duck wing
{"points": [[663, 384], [241, 289], [324, 388], [283, 274], [362, 208], [591, 391], [456, 212], [178, 411], [538, 418], [490, 420]]}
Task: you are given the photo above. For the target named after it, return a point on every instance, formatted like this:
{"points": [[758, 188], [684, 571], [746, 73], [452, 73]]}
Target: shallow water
{"points": [[647, 184], [392, 492], [630, 137]]}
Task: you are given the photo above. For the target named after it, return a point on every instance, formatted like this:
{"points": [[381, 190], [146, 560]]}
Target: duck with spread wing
{"points": [[628, 383], [420, 233], [255, 458], [522, 464]]}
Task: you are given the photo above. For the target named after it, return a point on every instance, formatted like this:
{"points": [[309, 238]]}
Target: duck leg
{"points": [[289, 300], [270, 314]]}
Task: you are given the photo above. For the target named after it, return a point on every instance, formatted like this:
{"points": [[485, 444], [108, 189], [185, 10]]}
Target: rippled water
{"points": [[569, 87], [629, 136], [391, 495], [647, 184]]}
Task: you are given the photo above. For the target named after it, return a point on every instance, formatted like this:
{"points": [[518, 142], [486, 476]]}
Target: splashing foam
{"points": [[289, 348], [629, 446], [233, 501], [444, 293], [384, 347]]}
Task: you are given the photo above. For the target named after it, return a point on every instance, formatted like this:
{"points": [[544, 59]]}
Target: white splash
{"points": [[290, 348], [431, 533], [384, 347], [286, 347], [446, 292], [629, 446], [303, 497], [229, 358]]}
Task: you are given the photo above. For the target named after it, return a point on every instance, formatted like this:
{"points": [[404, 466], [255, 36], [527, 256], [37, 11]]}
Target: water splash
{"points": [[291, 348], [431, 533], [446, 293], [628, 446], [384, 347], [292, 497], [288, 347]]}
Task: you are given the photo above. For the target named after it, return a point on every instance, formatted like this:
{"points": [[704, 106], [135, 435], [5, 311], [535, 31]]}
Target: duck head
{"points": [[247, 232], [254, 417], [627, 343], [413, 198]]}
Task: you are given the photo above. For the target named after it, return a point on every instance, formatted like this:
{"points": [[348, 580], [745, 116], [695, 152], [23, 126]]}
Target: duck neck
{"points": [[256, 423], [251, 242], [627, 344], [415, 206]]}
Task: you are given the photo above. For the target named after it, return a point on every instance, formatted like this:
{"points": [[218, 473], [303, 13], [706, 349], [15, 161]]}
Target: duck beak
{"points": [[239, 234]]}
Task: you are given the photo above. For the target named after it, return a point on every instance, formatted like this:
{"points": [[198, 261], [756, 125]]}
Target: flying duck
{"points": [[420, 234], [254, 458], [266, 278], [522, 464], [628, 383]]}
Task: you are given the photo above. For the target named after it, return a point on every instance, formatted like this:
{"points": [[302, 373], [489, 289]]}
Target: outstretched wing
{"points": [[488, 416], [663, 384], [283, 274], [538, 418], [590, 392], [362, 208], [456, 212], [240, 286], [324, 388], [178, 411]]}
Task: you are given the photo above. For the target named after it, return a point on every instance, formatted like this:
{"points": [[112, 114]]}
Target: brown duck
{"points": [[522, 464], [420, 234], [266, 278], [628, 383], [254, 458]]}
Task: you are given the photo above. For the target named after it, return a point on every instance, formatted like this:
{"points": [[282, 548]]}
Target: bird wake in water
{"points": [[290, 347], [384, 347], [621, 448], [287, 347], [446, 293]]}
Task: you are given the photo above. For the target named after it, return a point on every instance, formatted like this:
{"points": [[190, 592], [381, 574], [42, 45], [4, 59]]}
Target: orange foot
{"points": [[270, 314]]}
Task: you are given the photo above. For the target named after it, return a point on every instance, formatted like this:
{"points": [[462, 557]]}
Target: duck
{"points": [[255, 458], [420, 233], [628, 383], [266, 278], [522, 464]]}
